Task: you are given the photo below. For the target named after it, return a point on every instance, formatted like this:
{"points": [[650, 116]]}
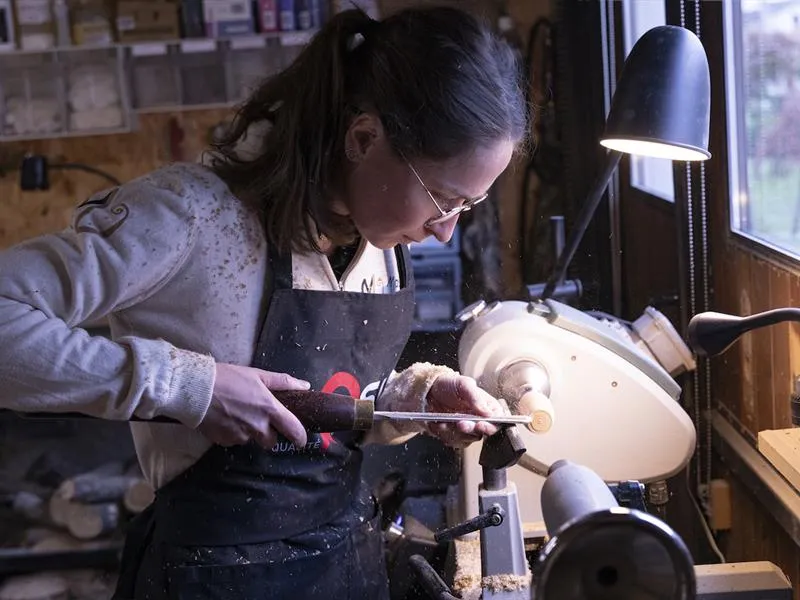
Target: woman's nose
{"points": [[444, 231]]}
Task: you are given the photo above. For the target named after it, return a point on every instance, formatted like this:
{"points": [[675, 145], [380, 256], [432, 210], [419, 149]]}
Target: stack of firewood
{"points": [[82, 511]]}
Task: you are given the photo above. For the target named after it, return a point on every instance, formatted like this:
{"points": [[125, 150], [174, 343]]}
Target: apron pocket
{"points": [[312, 577]]}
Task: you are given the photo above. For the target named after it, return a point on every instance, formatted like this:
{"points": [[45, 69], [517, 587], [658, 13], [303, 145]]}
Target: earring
{"points": [[351, 153]]}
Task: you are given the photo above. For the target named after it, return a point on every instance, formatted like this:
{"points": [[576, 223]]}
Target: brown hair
{"points": [[440, 80]]}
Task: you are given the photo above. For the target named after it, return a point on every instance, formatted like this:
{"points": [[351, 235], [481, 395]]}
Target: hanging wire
{"points": [[702, 419]]}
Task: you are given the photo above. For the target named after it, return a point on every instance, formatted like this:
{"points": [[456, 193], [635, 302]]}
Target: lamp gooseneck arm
{"points": [[582, 223], [711, 333]]}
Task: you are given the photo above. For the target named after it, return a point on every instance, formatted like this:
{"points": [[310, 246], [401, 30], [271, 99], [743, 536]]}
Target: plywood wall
{"points": [[159, 139]]}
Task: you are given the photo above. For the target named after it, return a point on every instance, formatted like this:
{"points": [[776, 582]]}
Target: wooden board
{"points": [[781, 447]]}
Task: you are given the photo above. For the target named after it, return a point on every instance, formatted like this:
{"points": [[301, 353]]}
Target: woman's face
{"points": [[386, 196]]}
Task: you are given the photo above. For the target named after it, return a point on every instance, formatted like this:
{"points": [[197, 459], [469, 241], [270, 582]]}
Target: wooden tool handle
{"points": [[323, 411], [317, 411]]}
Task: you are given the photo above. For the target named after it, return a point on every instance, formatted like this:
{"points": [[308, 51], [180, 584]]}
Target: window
{"points": [[651, 175], [762, 72]]}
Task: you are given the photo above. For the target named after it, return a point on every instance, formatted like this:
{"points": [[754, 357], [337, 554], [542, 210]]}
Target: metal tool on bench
{"points": [[323, 411], [501, 542], [597, 550]]}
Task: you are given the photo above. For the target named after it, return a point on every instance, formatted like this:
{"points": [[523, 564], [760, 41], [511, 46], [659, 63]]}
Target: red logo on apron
{"points": [[338, 383]]}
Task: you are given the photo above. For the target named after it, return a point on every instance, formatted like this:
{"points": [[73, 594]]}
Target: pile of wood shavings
{"points": [[467, 576], [467, 580], [506, 582]]}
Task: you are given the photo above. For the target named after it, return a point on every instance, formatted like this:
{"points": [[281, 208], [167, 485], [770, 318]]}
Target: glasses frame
{"points": [[446, 215]]}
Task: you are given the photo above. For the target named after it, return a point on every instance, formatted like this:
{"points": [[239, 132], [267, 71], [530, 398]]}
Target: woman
{"points": [[279, 263]]}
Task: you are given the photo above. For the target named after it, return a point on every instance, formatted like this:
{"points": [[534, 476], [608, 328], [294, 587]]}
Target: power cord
{"points": [[35, 170]]}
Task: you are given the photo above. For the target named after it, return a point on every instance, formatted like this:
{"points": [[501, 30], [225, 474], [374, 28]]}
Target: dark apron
{"points": [[249, 523]]}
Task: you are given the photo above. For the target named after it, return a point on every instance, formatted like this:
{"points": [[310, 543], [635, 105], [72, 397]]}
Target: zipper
{"points": [[359, 253], [356, 257]]}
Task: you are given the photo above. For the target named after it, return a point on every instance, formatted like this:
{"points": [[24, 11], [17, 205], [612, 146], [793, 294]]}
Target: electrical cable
{"points": [[87, 169], [712, 542]]}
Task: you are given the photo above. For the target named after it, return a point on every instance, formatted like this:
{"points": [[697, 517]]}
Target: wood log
{"points": [[58, 509], [29, 505], [89, 521], [37, 586], [52, 468], [90, 584], [57, 542], [138, 496], [35, 535], [95, 488]]}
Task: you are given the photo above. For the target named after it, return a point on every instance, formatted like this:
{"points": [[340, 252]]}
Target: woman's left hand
{"points": [[460, 394]]}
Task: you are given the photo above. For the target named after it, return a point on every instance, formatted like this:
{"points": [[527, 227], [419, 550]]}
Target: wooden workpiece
{"points": [[781, 447]]}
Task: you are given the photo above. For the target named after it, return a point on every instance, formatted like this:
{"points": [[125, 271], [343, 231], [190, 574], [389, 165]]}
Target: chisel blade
{"points": [[432, 417]]}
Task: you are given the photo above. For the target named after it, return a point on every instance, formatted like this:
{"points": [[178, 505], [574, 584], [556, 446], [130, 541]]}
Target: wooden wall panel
{"points": [[753, 381], [760, 300], [757, 536], [780, 295], [125, 156], [747, 282]]}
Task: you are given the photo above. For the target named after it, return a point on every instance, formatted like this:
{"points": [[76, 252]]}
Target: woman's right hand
{"points": [[243, 408]]}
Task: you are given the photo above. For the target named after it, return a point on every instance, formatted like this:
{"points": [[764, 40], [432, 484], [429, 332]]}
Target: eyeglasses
{"points": [[445, 215]]}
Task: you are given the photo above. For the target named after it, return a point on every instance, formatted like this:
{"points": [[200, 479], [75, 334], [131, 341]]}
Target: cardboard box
{"points": [[147, 20], [226, 18]]}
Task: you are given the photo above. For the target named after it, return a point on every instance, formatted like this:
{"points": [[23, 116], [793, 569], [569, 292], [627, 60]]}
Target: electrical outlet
{"points": [[720, 508]]}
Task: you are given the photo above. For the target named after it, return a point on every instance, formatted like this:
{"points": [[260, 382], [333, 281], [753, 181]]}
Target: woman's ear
{"points": [[362, 136]]}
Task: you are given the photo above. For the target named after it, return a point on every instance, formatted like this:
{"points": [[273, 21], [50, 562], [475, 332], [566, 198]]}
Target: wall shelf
{"points": [[95, 90]]}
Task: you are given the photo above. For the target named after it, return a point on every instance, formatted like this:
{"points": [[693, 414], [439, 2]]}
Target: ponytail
{"points": [[308, 112]]}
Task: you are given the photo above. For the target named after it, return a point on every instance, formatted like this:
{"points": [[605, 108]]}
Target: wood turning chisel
{"points": [[324, 411]]}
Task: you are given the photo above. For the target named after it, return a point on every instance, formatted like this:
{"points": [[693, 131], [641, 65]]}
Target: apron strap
{"points": [[404, 266], [280, 267]]}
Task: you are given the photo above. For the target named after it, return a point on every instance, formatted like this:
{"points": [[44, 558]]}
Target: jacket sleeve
{"points": [[405, 391], [122, 246]]}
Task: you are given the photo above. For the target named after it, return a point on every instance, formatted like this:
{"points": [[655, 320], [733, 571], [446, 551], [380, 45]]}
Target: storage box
{"points": [[192, 20], [267, 15], [147, 20], [36, 29], [287, 18], [30, 101], [225, 18], [92, 24]]}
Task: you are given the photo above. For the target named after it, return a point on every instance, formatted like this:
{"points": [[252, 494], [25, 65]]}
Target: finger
{"points": [[287, 423], [484, 428], [282, 381], [476, 401], [452, 435], [476, 428], [266, 439]]}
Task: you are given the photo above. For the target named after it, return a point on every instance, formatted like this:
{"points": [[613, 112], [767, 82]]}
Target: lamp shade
{"points": [[662, 103]]}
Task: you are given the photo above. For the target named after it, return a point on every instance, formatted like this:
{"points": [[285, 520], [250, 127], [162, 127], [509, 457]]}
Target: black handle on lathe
{"points": [[317, 411]]}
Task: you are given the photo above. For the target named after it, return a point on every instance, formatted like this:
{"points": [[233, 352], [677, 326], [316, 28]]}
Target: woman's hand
{"points": [[243, 408], [460, 394]]}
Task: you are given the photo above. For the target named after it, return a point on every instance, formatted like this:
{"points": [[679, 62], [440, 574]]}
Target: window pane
{"points": [[762, 66], [651, 175]]}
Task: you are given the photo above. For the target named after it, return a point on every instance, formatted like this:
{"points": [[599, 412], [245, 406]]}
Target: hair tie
{"points": [[368, 28], [355, 41]]}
